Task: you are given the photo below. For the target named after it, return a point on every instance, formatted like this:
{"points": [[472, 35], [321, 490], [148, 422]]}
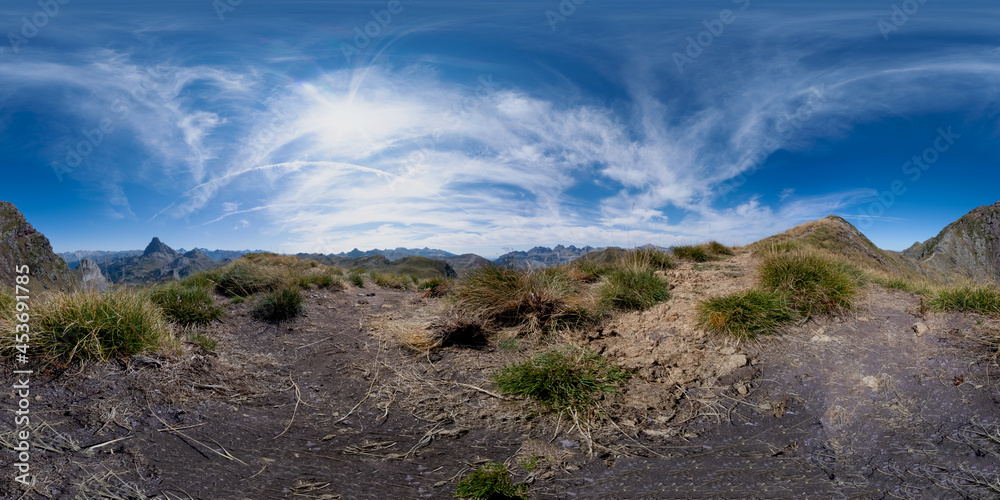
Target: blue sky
{"points": [[321, 126]]}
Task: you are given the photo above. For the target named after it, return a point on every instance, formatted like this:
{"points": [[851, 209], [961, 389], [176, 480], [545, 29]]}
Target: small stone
{"points": [[569, 444], [921, 329], [38, 398], [872, 383], [823, 339]]}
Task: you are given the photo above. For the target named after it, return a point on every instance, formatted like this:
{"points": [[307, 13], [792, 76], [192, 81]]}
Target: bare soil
{"points": [[333, 405]]}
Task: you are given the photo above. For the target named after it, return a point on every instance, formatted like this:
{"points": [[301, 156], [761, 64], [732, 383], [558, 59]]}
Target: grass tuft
{"points": [[813, 283], [490, 482], [562, 379], [695, 253], [386, 280], [650, 257], [96, 326], [633, 288], [278, 305], [982, 300], [244, 278], [745, 315], [186, 305], [515, 297], [717, 248]]}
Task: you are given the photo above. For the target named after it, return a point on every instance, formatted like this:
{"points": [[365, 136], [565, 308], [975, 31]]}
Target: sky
{"points": [[487, 126]]}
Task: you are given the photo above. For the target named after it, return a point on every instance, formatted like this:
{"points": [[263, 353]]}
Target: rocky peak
{"points": [[969, 246], [21, 244], [88, 274], [157, 246]]}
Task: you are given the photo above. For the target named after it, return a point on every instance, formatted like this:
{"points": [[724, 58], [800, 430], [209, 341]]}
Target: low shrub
{"points": [[813, 283], [978, 299], [490, 482], [562, 379], [633, 289], [745, 315], [278, 305], [514, 297], [186, 305], [89, 325]]}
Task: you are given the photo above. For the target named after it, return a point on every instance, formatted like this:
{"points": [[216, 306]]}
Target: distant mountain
{"points": [[466, 262], [544, 257], [158, 262], [421, 267], [397, 254], [98, 256], [21, 244], [969, 246]]}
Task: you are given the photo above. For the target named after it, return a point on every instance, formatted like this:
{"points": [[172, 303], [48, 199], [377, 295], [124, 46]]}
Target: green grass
{"points": [[694, 253], [186, 305], [745, 315], [435, 287], [632, 288], [278, 305], [96, 326], [357, 277], [564, 379], [812, 283], [490, 482], [982, 300], [208, 344], [515, 297], [244, 278]]}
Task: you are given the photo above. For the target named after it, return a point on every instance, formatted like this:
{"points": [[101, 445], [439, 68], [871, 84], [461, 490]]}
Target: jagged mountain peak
{"points": [[157, 246]]}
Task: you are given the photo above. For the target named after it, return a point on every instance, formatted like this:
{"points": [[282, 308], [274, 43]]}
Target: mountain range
{"points": [[969, 248]]}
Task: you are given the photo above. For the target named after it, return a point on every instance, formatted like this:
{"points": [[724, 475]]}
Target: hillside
{"points": [[421, 267], [21, 244], [969, 246], [158, 262], [397, 253]]}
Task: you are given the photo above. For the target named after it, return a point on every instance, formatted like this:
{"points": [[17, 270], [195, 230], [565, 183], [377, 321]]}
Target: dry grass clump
{"points": [[745, 315], [505, 296], [435, 287], [90, 325], [386, 280], [7, 304], [246, 277], [968, 298]]}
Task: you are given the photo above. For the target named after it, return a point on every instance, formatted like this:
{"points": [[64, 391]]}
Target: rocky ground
{"points": [[331, 405]]}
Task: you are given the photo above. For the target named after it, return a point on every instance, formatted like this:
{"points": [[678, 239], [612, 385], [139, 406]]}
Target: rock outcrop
{"points": [[969, 246], [21, 244], [89, 276]]}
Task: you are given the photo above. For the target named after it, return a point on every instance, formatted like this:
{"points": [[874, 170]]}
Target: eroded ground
{"points": [[331, 405]]}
